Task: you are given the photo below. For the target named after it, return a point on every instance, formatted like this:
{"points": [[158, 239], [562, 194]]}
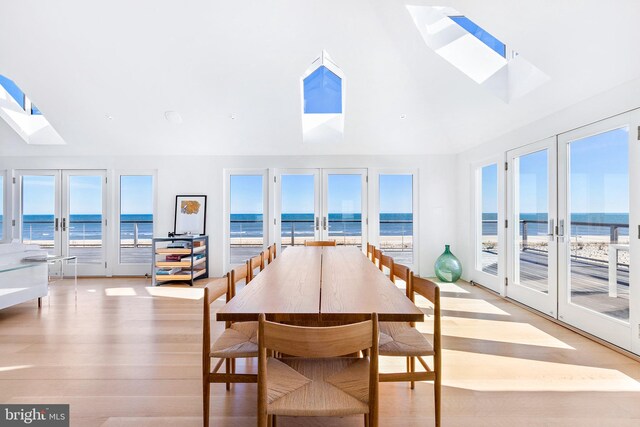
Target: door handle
{"points": [[57, 224], [550, 228], [324, 223], [317, 223], [560, 228], [64, 224]]}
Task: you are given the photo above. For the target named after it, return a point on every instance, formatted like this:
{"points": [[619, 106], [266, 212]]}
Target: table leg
{"points": [[613, 272]]}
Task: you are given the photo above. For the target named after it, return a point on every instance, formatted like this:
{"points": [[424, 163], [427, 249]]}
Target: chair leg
{"points": [[206, 391], [366, 420], [412, 369], [228, 370], [437, 392], [273, 420]]}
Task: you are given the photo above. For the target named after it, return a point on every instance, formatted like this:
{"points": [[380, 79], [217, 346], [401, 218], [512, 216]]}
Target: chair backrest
{"points": [[236, 275], [386, 261], [330, 341], [211, 293], [272, 252], [266, 258], [254, 263], [430, 291], [377, 253], [403, 273], [370, 251], [319, 242]]}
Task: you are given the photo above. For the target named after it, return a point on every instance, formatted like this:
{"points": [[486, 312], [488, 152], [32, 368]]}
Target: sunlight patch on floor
{"points": [[174, 292], [472, 306], [14, 368], [482, 372], [120, 292], [509, 332]]}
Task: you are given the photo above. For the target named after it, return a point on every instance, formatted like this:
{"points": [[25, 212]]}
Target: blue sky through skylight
{"points": [[481, 34], [13, 90], [322, 92]]}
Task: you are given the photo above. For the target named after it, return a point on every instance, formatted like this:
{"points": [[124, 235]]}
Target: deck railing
{"points": [[613, 233], [290, 230], [76, 234]]}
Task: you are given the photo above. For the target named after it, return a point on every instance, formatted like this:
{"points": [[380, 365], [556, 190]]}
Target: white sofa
{"points": [[22, 284]]}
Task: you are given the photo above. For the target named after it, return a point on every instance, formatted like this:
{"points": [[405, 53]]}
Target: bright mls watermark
{"points": [[34, 415]]}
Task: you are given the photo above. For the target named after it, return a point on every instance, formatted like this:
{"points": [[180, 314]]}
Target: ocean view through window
{"points": [[136, 218], [488, 245], [396, 217], [245, 217]]}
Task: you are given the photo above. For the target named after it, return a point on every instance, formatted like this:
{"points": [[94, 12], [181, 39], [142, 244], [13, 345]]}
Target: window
{"points": [[477, 53], [396, 217], [136, 218], [487, 257], [13, 90], [246, 225], [482, 35], [322, 91]]}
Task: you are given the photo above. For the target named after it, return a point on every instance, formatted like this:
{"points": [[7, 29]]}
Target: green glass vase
{"points": [[448, 267]]}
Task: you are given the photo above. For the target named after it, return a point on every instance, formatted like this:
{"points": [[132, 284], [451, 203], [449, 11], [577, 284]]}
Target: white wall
{"points": [[204, 175], [616, 101]]}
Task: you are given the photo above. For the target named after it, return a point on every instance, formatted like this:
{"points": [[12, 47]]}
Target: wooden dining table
{"points": [[317, 285]]}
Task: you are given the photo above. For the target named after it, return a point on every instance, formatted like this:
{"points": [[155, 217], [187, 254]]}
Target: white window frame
{"points": [[374, 220], [266, 211], [495, 283], [6, 198]]}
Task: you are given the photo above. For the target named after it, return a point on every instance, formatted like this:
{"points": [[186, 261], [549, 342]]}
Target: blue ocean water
{"points": [[85, 227], [250, 225], [585, 224]]}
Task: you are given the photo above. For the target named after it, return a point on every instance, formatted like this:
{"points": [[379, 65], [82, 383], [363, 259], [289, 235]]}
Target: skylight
{"points": [[13, 90], [322, 92], [322, 89], [24, 117], [473, 50], [482, 35]]}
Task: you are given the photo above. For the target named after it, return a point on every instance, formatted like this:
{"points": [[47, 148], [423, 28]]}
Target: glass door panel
{"points": [[136, 219], [396, 217], [595, 258], [83, 222], [344, 207], [487, 248], [40, 209], [246, 224], [532, 214], [299, 218]]}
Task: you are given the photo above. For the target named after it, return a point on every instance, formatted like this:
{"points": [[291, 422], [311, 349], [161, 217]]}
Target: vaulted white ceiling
{"points": [[81, 61]]}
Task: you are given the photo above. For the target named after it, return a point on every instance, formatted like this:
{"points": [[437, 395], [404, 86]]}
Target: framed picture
{"points": [[191, 215]]}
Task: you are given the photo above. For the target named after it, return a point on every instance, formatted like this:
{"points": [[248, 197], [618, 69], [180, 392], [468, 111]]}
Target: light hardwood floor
{"points": [[129, 355]]}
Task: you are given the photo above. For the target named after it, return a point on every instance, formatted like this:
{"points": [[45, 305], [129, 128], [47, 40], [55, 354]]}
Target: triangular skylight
{"points": [[476, 52], [322, 92], [24, 117]]}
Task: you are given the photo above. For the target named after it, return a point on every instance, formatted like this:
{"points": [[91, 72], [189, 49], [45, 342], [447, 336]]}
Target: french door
{"points": [[65, 213], [531, 222], [599, 180], [321, 204], [573, 208]]}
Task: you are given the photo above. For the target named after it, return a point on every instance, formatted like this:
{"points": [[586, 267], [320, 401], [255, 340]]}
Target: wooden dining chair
{"points": [[370, 251], [272, 252], [377, 253], [402, 339], [319, 242], [266, 258], [239, 339], [255, 263], [386, 261], [313, 380], [229, 345]]}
